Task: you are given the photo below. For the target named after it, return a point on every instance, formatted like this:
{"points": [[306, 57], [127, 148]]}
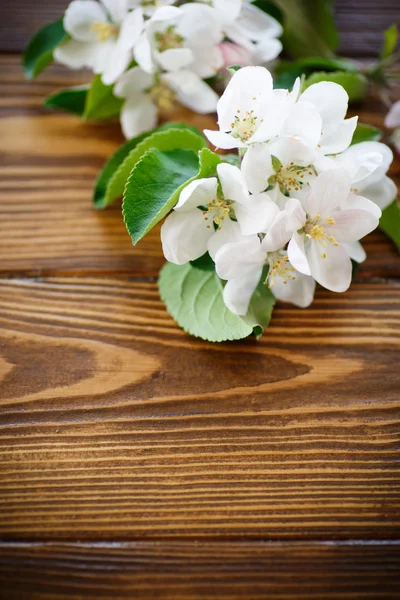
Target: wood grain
{"points": [[181, 571], [138, 462], [360, 23]]}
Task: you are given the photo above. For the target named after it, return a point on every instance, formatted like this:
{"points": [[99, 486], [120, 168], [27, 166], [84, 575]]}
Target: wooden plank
{"points": [[185, 571], [49, 163], [360, 22], [115, 425]]}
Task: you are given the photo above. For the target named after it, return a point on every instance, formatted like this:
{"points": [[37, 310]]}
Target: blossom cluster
{"points": [[298, 204], [157, 54]]}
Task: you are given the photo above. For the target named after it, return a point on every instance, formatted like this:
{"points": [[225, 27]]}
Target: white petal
{"points": [[355, 251], [257, 215], [233, 260], [117, 9], [122, 55], [184, 236], [299, 291], [360, 152], [174, 59], [233, 183], [228, 10], [198, 193], [337, 137], [256, 25], [192, 91], [392, 119], [297, 254], [354, 202], [275, 111], [143, 55], [77, 55], [304, 123], [138, 114], [290, 150], [331, 100], [360, 164], [267, 50], [238, 292], [223, 140], [229, 232], [352, 225], [80, 17], [382, 193], [327, 192], [257, 167], [249, 89], [333, 272], [133, 81], [286, 223]]}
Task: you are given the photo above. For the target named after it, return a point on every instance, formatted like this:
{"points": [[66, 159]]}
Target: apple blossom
{"points": [[214, 209], [392, 121], [146, 94], [103, 35]]}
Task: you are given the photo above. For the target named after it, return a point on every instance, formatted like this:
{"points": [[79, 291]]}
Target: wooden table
{"points": [[137, 462]]}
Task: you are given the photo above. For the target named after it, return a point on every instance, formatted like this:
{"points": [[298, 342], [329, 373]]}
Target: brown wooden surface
{"points": [[137, 462], [360, 22]]}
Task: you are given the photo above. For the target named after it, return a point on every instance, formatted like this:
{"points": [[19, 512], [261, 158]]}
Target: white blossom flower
{"points": [[241, 262], [392, 121], [146, 94], [255, 31], [316, 229], [367, 164], [206, 214], [331, 101], [102, 37], [250, 111], [177, 38]]}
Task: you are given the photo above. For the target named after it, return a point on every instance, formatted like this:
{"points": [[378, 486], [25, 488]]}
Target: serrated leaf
{"points": [[164, 139], [155, 183], [71, 100], [39, 51], [355, 84], [366, 133], [194, 299], [101, 103], [390, 38], [309, 28], [390, 222]]}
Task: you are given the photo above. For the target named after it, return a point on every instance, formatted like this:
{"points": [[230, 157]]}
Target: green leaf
{"points": [[366, 133], [154, 187], [165, 139], [232, 159], [309, 28], [390, 38], [71, 99], [194, 299], [101, 103], [390, 222], [286, 72], [355, 84], [205, 263], [39, 51]]}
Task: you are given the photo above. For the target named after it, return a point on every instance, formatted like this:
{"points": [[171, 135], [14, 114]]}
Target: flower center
{"points": [[168, 39], [315, 229], [104, 31], [243, 127], [279, 266], [218, 209], [290, 178], [163, 97], [147, 3]]}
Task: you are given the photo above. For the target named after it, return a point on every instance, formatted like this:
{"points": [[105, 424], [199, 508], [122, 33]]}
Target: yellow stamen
{"points": [[104, 31]]}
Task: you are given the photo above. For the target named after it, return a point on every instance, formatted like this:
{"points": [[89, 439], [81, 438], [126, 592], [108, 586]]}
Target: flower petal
{"points": [[192, 91], [238, 292], [352, 225], [266, 50], [285, 224], [77, 55], [133, 82], [198, 193], [256, 25], [184, 236], [304, 123], [327, 192], [331, 100], [233, 183], [229, 232], [223, 140], [117, 9], [297, 254], [80, 17], [355, 251], [257, 215], [337, 137], [233, 260], [257, 167], [299, 291], [382, 193], [143, 54], [392, 119], [138, 114], [174, 59], [333, 272]]}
